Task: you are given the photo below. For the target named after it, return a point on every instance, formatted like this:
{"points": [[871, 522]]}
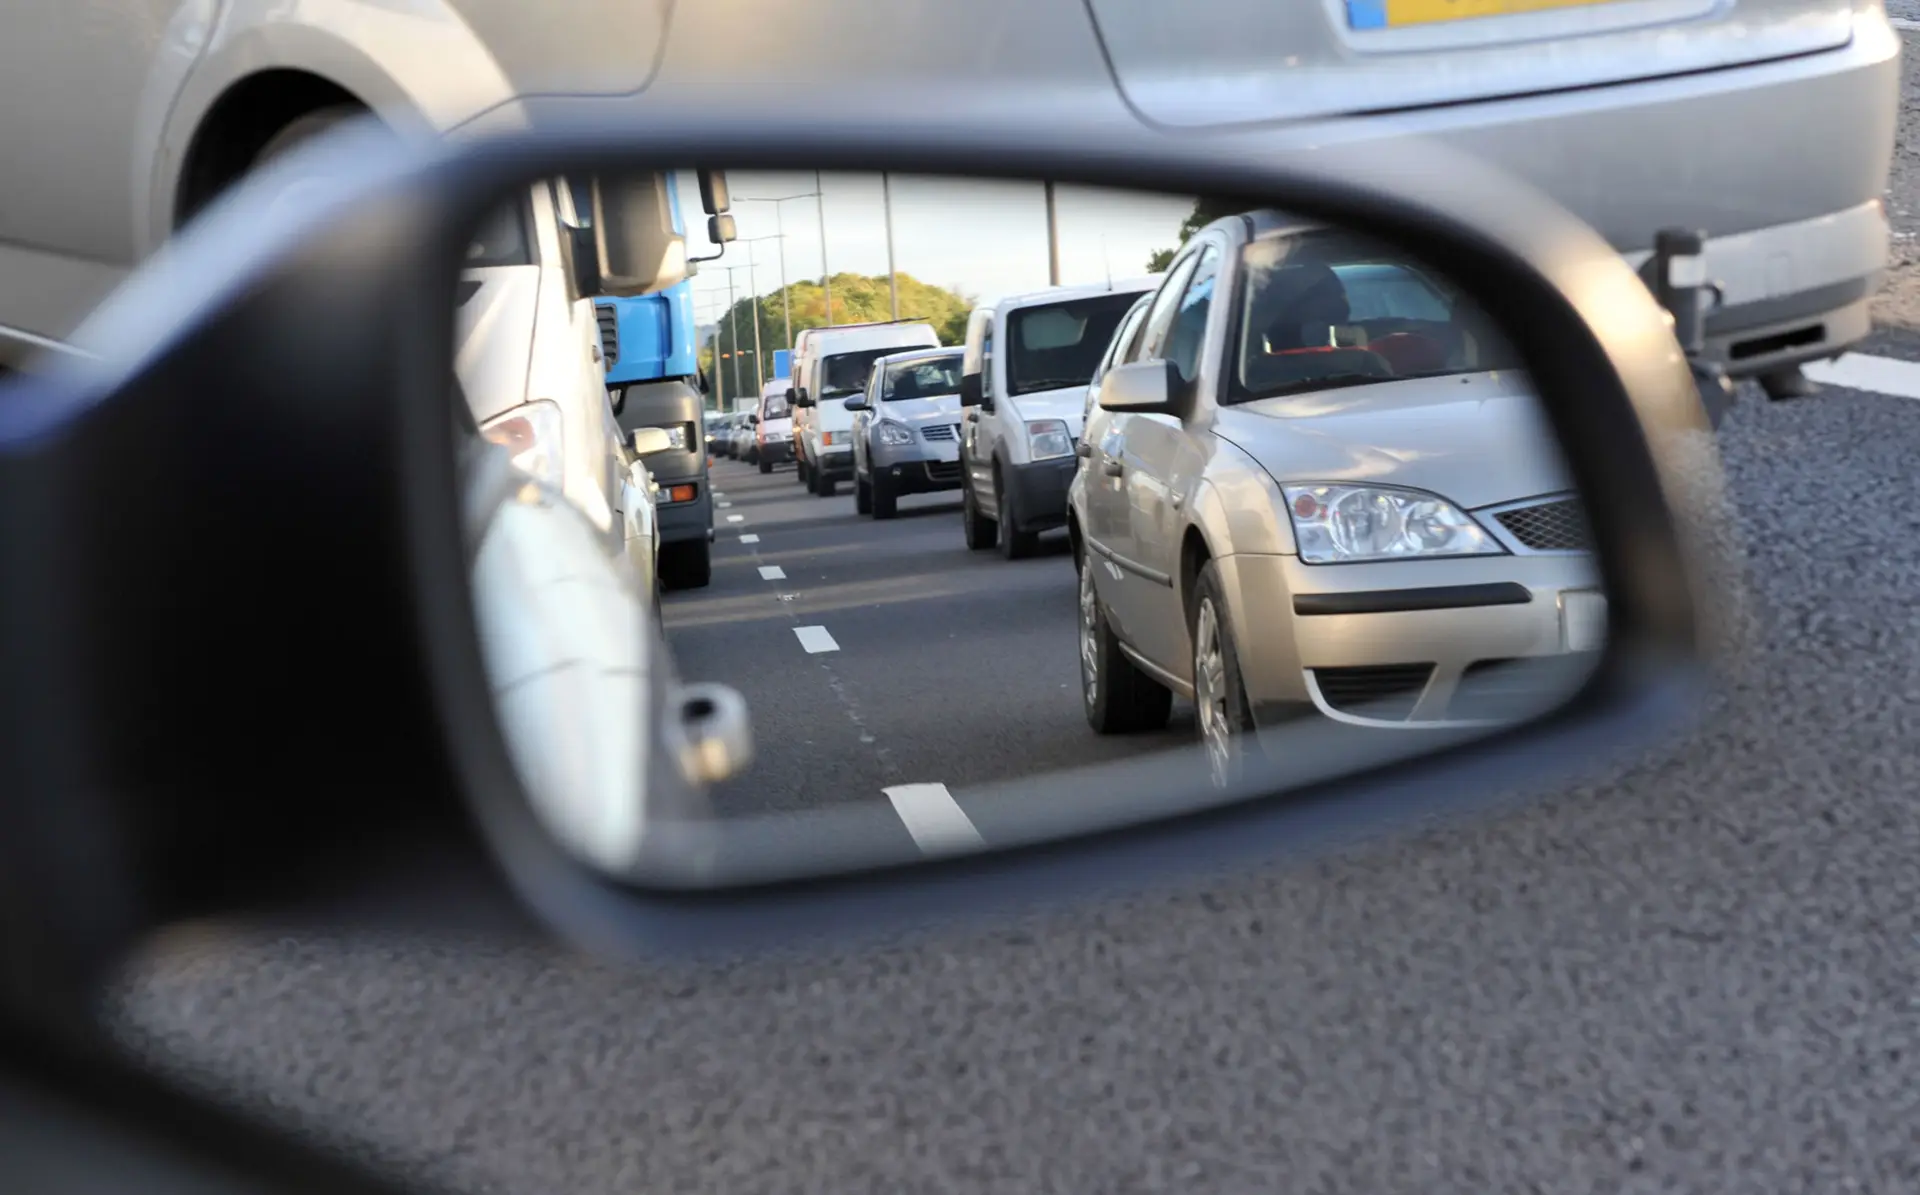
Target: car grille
{"points": [[1385, 691], [1557, 525], [609, 331], [1511, 690], [943, 470], [939, 431]]}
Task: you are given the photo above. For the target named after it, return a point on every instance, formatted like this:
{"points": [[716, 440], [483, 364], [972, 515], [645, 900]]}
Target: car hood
{"points": [[493, 337], [1068, 403], [944, 408], [1475, 439]]}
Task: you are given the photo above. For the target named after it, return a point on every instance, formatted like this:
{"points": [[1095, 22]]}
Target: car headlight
{"points": [[1340, 524], [532, 436], [1048, 438], [892, 433], [679, 436]]}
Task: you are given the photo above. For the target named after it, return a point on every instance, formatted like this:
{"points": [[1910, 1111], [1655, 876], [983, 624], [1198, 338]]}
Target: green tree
{"points": [[1205, 211], [857, 298]]}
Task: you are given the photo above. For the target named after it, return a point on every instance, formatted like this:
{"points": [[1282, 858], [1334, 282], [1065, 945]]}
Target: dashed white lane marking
{"points": [[815, 640], [1859, 371], [724, 505], [719, 493], [772, 572], [749, 539], [736, 518], [936, 821], [1903, 23]]}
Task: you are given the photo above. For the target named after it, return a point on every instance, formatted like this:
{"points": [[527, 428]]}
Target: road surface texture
{"points": [[1698, 970]]}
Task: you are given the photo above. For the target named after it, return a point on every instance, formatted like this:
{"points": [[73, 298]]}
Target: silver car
{"points": [[1765, 124], [1315, 482], [906, 429]]}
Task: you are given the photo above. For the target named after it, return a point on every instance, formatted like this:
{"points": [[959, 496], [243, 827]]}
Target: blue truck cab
{"points": [[651, 353]]}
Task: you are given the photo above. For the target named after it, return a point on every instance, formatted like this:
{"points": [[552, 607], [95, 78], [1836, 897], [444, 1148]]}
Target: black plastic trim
{"points": [[1400, 601]]}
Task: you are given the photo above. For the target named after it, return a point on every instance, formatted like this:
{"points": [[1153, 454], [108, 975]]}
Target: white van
{"points": [[1023, 380], [773, 427], [834, 370], [528, 355]]}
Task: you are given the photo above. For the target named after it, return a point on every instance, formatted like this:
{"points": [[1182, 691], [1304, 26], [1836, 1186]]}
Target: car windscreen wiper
{"points": [[1051, 384]]}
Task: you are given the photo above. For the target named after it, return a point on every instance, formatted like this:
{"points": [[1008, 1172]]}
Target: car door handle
{"points": [[1113, 466], [1083, 449]]}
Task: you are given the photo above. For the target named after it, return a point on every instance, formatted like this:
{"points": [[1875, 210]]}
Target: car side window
{"points": [[1188, 331], [1123, 338], [1160, 314]]}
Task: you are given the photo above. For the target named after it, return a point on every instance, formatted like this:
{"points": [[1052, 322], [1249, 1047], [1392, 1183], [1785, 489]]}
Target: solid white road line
{"points": [[736, 518], [1858, 371], [934, 818], [772, 572], [749, 539], [815, 640]]}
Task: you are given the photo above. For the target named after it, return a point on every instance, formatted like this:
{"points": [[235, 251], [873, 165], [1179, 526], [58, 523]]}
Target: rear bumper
{"points": [[1781, 164]]}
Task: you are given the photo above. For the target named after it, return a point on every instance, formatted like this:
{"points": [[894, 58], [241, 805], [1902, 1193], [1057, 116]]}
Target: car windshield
{"points": [[1059, 344], [846, 373], [1323, 310], [502, 239], [928, 378], [775, 407]]}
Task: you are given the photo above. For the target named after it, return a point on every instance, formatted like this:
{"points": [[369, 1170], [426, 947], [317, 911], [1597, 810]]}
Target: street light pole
{"points": [[780, 229], [826, 274], [893, 279], [1053, 239], [733, 313], [759, 369]]}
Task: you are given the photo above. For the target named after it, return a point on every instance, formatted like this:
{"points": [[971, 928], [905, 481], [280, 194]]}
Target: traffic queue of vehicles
{"points": [[1209, 439]]}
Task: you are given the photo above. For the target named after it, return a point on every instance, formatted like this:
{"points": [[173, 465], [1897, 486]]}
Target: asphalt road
{"points": [[930, 664], [1697, 970]]}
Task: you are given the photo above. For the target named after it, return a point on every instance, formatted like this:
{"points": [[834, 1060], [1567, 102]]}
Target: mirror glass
{"points": [[1319, 520]]}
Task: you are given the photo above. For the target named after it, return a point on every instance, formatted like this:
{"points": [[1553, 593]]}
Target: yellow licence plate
{"points": [[1395, 14]]}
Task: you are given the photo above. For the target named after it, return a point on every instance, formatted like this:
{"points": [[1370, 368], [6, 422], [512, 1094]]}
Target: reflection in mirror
{"points": [[1235, 503]]}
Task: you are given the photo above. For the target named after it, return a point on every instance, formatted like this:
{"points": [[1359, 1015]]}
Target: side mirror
{"points": [[721, 229], [856, 403], [1141, 388], [586, 261], [753, 421], [714, 198], [969, 389], [637, 250], [790, 394], [645, 441]]}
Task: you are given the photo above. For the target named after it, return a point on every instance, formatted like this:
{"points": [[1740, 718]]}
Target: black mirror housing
{"points": [[969, 389]]}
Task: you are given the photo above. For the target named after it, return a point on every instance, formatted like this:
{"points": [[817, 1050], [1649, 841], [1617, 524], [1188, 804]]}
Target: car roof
{"points": [[945, 350], [1085, 290]]}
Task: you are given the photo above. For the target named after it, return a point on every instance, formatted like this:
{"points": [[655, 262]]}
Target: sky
{"points": [[983, 238]]}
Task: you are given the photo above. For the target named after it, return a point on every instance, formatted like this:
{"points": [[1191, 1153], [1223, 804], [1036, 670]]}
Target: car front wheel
{"points": [[1226, 718]]}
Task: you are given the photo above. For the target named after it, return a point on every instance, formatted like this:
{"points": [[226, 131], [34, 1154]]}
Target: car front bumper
{"points": [[1038, 492], [1413, 643]]}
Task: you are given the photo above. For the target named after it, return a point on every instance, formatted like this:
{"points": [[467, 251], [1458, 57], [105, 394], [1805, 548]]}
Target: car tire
{"points": [[1118, 697], [862, 496], [766, 466], [686, 565], [981, 531], [824, 486], [886, 503], [800, 472], [1014, 544], [1225, 718]]}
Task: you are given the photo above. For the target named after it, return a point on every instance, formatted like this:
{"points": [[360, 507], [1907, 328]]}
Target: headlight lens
{"points": [[1342, 524], [679, 436], [532, 436], [892, 433], [1048, 438]]}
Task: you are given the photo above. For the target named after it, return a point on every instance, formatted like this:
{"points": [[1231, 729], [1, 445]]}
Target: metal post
{"points": [[786, 305], [733, 313], [893, 279], [826, 274], [753, 287], [1053, 240]]}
